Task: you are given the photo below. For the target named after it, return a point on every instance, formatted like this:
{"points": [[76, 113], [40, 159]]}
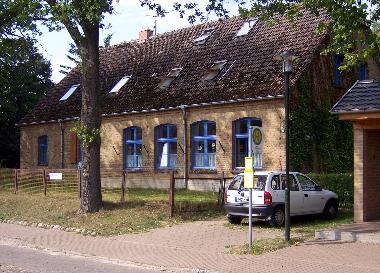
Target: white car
{"points": [[268, 198]]}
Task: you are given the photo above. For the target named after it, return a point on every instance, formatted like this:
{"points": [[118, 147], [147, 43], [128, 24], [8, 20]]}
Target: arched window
{"points": [[166, 146], [133, 148], [240, 127], [203, 144]]}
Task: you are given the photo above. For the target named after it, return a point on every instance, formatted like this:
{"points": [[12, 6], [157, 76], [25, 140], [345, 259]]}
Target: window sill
{"points": [[42, 164], [205, 171], [134, 170]]}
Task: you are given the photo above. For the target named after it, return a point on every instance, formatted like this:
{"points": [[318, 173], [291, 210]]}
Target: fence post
{"points": [[16, 181], [79, 174], [171, 193], [124, 173], [44, 181], [223, 187]]}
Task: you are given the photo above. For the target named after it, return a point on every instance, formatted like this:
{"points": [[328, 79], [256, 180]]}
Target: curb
{"points": [[348, 236]]}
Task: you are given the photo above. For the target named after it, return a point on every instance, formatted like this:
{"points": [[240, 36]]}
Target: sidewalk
{"points": [[200, 246]]}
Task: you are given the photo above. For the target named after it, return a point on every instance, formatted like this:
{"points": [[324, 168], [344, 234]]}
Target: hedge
{"points": [[341, 184]]}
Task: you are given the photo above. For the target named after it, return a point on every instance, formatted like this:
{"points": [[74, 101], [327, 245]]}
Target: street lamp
{"points": [[287, 67]]}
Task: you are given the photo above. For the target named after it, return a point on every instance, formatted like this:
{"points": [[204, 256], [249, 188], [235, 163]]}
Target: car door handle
{"points": [[306, 195]]}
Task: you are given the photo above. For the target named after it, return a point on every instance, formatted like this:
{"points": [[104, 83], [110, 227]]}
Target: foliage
{"points": [[24, 79], [85, 134], [318, 140], [349, 26], [341, 184]]}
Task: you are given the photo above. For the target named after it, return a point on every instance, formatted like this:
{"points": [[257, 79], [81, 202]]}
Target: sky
{"points": [[127, 20]]}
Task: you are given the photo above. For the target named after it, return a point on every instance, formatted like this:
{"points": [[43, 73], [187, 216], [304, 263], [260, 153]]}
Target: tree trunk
{"points": [[91, 196]]}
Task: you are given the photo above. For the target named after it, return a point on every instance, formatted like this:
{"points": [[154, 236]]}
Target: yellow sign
{"points": [[248, 173]]}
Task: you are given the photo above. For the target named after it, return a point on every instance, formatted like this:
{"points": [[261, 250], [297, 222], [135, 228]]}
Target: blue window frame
{"points": [[133, 148], [240, 127], [362, 72], [337, 72], [166, 146], [42, 150], [204, 144]]}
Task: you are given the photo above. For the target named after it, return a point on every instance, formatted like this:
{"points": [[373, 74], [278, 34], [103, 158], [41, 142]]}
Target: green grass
{"points": [[142, 211]]}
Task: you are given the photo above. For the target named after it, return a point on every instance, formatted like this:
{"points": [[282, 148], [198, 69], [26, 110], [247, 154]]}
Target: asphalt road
{"points": [[14, 259]]}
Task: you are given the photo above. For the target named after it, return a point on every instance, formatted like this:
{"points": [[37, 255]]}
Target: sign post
{"points": [[249, 182]]}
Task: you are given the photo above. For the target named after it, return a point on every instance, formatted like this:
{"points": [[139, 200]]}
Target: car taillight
{"points": [[267, 198]]}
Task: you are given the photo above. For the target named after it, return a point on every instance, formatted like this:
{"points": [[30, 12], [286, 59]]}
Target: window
{"points": [[204, 36], [293, 186], [275, 184], [120, 84], [241, 142], [204, 144], [166, 146], [306, 183], [133, 148], [214, 70], [42, 150], [338, 73], [167, 80], [362, 72], [69, 92], [246, 27]]}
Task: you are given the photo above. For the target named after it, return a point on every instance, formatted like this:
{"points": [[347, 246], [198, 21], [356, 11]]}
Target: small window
{"points": [[69, 92], [168, 79], [42, 150], [166, 146], [204, 36], [133, 148], [120, 84], [363, 75], [306, 183], [214, 70], [246, 27], [338, 73], [275, 184], [204, 144], [293, 186]]}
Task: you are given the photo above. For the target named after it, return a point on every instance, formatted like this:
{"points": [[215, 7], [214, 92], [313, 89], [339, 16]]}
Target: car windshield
{"points": [[238, 182]]}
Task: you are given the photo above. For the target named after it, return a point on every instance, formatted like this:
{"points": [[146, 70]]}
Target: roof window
{"points": [[204, 36], [69, 92], [120, 84], [168, 79], [214, 70], [246, 27]]}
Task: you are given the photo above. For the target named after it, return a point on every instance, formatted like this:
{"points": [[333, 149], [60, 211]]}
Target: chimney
{"points": [[145, 34]]}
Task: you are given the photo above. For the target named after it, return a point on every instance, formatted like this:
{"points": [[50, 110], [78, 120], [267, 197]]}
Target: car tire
{"points": [[236, 220], [331, 210], [277, 218]]}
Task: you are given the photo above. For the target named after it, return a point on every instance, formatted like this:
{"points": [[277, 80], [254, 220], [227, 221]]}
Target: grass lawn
{"points": [[145, 209]]}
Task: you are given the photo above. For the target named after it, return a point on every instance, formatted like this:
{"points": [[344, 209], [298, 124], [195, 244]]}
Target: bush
{"points": [[341, 184]]}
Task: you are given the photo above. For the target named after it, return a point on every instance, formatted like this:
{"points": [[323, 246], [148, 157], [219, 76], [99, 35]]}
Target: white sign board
{"points": [[55, 176]]}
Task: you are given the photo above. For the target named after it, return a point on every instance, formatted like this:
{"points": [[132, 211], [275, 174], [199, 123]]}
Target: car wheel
{"points": [[277, 218], [331, 210], [234, 219]]}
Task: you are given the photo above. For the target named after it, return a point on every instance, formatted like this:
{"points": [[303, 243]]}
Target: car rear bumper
{"points": [[258, 211]]}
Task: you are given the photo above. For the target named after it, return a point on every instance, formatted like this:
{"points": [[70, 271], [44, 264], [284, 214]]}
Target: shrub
{"points": [[341, 184]]}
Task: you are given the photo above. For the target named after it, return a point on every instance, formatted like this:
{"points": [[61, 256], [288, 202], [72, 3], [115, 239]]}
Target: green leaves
{"points": [[85, 134]]}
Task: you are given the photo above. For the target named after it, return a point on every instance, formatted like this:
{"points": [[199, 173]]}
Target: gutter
{"points": [[356, 112], [62, 143]]}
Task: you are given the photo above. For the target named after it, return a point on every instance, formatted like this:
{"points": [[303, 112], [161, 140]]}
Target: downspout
{"points": [[185, 157], [62, 143]]}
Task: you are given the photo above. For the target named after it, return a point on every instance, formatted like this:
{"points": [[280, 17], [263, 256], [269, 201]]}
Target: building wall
{"points": [[271, 112]]}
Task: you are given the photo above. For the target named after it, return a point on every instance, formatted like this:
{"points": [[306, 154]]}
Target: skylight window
{"points": [[214, 70], [167, 80], [69, 92], [246, 27], [204, 36], [120, 84]]}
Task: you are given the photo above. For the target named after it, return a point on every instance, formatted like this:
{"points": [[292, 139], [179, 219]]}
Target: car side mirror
{"points": [[318, 188]]}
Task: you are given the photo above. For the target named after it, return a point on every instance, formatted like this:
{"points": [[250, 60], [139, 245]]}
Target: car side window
{"points": [[237, 183], [293, 186], [275, 183], [306, 183]]}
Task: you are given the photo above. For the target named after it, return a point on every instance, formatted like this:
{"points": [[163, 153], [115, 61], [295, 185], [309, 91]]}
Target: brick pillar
{"points": [[359, 151]]}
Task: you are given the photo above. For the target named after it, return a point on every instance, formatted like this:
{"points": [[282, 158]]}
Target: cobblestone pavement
{"points": [[200, 246]]}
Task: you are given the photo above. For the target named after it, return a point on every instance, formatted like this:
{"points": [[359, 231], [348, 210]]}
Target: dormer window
{"points": [[246, 27], [69, 92], [120, 84], [168, 79], [204, 36], [214, 70]]}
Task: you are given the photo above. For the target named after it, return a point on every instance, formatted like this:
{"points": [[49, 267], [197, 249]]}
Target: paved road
{"points": [[15, 259]]}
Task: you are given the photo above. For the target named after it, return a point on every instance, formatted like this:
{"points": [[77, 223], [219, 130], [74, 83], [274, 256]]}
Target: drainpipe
{"points": [[185, 157], [62, 143]]}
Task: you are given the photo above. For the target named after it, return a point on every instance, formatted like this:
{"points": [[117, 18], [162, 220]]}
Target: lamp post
{"points": [[287, 67]]}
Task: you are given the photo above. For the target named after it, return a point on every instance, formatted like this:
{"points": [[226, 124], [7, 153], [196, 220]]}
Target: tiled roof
{"points": [[363, 96], [250, 71]]}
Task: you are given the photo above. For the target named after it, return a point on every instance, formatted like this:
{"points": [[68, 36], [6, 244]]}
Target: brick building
{"points": [[184, 99]]}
